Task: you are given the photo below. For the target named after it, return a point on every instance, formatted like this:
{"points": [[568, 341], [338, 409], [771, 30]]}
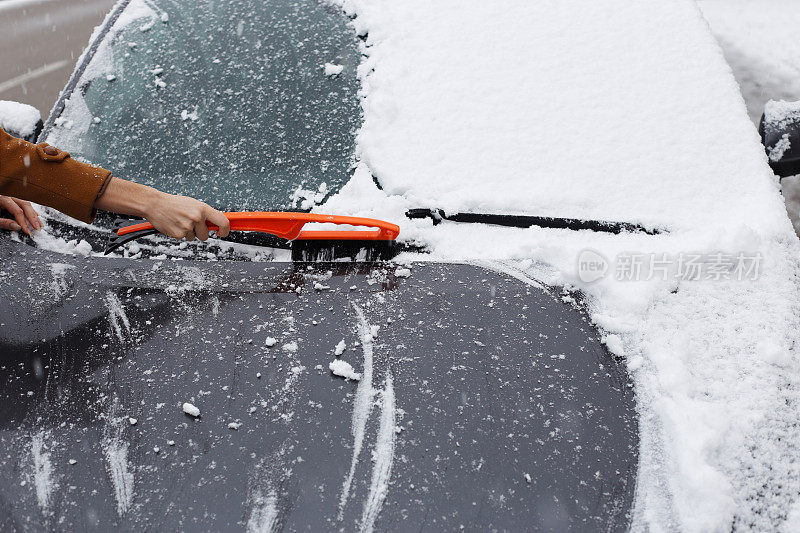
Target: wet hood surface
{"points": [[482, 400]]}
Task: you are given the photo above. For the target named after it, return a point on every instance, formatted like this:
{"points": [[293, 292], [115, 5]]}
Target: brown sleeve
{"points": [[49, 176]]}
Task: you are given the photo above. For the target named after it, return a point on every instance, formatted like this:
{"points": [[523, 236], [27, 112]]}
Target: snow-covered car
{"points": [[590, 328], [355, 395]]}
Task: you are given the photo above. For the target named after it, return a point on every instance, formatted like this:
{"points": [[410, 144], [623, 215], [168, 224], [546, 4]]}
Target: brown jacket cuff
{"points": [[49, 176]]}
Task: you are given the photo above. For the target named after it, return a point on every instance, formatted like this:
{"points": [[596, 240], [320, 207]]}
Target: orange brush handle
{"points": [[289, 226]]}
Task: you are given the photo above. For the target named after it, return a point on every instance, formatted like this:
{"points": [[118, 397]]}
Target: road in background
{"points": [[41, 41]]}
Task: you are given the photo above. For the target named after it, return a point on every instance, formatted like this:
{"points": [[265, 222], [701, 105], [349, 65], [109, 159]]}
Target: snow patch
{"points": [[115, 451], [332, 69], [776, 152], [448, 113], [340, 348], [264, 513], [42, 471], [116, 454], [383, 458], [290, 347], [190, 409], [117, 317], [18, 118], [60, 285], [343, 369], [362, 405]]}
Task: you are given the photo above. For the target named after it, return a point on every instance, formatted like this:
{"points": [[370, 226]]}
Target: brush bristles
{"points": [[366, 251]]}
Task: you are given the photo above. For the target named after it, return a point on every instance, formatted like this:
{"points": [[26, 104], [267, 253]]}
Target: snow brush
{"points": [[308, 245]]}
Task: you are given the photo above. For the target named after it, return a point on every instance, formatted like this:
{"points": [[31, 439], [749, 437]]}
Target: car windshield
{"points": [[248, 106]]}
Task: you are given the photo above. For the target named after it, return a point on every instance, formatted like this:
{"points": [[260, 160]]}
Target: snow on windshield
{"points": [[619, 111]]}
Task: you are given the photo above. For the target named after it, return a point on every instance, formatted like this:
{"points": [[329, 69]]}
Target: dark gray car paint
{"points": [[493, 379]]}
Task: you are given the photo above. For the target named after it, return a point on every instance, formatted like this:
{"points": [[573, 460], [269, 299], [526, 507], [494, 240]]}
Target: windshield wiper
{"points": [[526, 221]]}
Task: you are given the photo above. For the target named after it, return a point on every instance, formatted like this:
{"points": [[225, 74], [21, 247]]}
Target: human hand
{"points": [[177, 216], [25, 217], [182, 217]]}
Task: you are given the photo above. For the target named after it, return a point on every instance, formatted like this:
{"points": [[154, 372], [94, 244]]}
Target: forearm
{"points": [[127, 198], [176, 216]]}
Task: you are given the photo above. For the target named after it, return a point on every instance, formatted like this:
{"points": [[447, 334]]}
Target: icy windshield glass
{"points": [[248, 105]]}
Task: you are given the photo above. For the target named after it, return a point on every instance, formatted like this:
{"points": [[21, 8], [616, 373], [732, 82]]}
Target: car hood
{"points": [[481, 399]]}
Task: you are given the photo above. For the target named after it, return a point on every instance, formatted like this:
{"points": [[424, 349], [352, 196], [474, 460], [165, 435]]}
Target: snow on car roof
{"points": [[606, 110]]}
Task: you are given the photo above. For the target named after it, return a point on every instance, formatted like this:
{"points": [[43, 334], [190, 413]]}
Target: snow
{"points": [[362, 405], [83, 248], [575, 118], [383, 458], [186, 115], [781, 112], [402, 273], [264, 515], [18, 118], [777, 152], [271, 341], [792, 524], [115, 451], [332, 69], [340, 348], [290, 347], [384, 449], [43, 478], [190, 409], [117, 317], [343, 369]]}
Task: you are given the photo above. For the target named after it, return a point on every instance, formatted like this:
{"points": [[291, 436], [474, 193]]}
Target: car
{"points": [[521, 364], [361, 394]]}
